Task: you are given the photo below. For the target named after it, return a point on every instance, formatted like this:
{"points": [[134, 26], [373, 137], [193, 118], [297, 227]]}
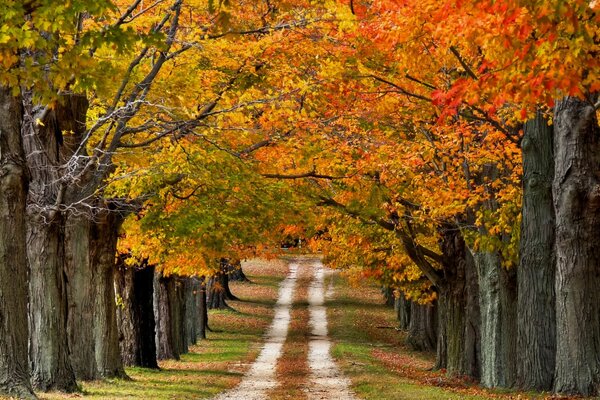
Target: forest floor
{"points": [[320, 327]]}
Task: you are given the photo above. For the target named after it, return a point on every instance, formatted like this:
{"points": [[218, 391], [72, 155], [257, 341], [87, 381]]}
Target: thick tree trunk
{"points": [[402, 308], [162, 316], [169, 309], [49, 351], [103, 246], [177, 309], [536, 338], [236, 273], [388, 295], [126, 318], [191, 287], [135, 315], [81, 299], [576, 191], [46, 150], [218, 290], [202, 310], [422, 330], [497, 302], [14, 365], [458, 344]]}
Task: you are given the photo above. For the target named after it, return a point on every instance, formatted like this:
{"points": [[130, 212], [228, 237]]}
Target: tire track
{"points": [[326, 380], [261, 376]]}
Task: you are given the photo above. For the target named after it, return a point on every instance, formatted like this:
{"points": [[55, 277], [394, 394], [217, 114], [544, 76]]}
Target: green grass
{"points": [[212, 366], [355, 320]]}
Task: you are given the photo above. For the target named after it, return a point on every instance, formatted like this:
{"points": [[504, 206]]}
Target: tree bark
{"points": [[236, 273], [80, 297], [422, 334], [402, 308], [191, 288], [177, 303], [46, 150], [103, 246], [218, 289], [458, 344], [49, 351], [202, 310], [536, 337], [576, 191], [497, 302], [162, 316], [135, 315], [14, 365], [388, 295], [169, 309]]}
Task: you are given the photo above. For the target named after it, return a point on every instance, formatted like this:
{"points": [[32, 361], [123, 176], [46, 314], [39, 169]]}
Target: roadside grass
{"points": [[213, 365], [372, 353]]}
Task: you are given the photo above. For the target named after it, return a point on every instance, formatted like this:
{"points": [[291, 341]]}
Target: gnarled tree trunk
{"points": [[536, 338], [388, 295], [103, 251], [162, 316], [458, 346], [576, 191], [236, 273], [48, 348], [46, 151], [202, 309], [498, 306], [422, 330], [135, 315], [191, 288], [169, 311], [218, 288], [80, 297], [402, 308], [14, 365]]}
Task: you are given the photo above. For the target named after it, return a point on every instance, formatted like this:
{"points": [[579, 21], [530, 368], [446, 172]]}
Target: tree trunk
{"points": [[458, 344], [236, 273], [14, 365], [126, 319], [169, 314], [164, 342], [202, 310], [536, 338], [218, 290], [177, 309], [103, 246], [402, 308], [49, 349], [576, 191], [497, 302], [80, 297], [191, 310], [135, 315], [388, 295], [46, 150], [422, 333]]}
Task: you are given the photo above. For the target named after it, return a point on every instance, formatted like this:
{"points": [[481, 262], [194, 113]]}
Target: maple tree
{"points": [[413, 140]]}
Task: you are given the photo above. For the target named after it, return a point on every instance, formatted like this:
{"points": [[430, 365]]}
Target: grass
{"points": [[292, 367], [213, 365], [373, 354]]}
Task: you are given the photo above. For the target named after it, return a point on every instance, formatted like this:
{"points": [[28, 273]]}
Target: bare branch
{"points": [[462, 62]]}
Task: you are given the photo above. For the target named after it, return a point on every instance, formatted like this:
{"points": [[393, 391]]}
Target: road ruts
{"points": [[326, 380], [261, 376]]}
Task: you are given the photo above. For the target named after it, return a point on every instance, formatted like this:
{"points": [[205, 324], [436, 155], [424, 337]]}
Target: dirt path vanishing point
{"points": [[325, 380], [261, 376]]}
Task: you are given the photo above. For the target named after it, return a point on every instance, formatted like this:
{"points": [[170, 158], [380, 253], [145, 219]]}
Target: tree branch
{"points": [[462, 62]]}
